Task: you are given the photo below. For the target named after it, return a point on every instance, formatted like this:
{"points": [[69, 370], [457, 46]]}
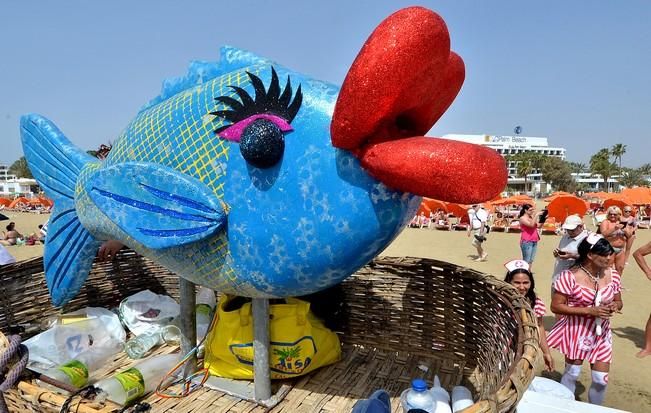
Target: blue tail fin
{"points": [[56, 164]]}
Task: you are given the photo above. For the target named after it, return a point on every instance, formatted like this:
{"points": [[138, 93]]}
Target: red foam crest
{"points": [[401, 82]]}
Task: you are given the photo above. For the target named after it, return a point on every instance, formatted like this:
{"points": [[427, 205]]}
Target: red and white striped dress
{"points": [[539, 309], [574, 335]]}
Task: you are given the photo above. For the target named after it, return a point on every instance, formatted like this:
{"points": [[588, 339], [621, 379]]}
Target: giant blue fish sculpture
{"points": [[251, 179]]}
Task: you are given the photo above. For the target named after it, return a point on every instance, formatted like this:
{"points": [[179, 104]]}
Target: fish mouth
{"points": [[402, 81]]}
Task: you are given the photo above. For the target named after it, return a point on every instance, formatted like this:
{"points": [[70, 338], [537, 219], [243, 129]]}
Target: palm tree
{"points": [[523, 166], [617, 151], [20, 168], [631, 177], [600, 164], [526, 164], [578, 167], [645, 172]]}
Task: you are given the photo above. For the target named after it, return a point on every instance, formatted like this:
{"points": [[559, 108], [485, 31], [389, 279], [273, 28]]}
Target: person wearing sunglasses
{"points": [[639, 255], [617, 234], [587, 296]]}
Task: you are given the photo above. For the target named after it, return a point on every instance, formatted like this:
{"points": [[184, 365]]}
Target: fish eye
{"points": [[262, 143], [259, 123]]}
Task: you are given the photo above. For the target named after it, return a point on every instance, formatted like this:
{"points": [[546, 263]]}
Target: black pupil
{"points": [[262, 143]]}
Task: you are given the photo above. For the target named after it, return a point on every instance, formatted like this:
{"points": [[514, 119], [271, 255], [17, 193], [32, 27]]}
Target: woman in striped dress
{"points": [[586, 296], [519, 275]]}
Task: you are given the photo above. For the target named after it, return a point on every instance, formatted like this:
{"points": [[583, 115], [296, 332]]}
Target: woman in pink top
{"points": [[529, 236]]}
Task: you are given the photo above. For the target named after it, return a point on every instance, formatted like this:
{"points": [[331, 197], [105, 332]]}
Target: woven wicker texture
{"points": [[404, 318]]}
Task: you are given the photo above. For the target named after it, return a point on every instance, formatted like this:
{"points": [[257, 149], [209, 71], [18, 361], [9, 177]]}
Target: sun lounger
{"points": [[515, 227], [442, 227], [462, 224], [550, 227], [500, 225]]}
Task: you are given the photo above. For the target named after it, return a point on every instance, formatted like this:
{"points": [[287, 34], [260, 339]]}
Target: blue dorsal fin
{"points": [[199, 72], [231, 58]]}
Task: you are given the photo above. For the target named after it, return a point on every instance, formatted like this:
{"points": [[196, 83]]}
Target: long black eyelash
{"points": [[266, 101]]}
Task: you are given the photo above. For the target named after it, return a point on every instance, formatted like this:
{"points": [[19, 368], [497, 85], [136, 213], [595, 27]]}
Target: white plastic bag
{"points": [[101, 329], [146, 312]]}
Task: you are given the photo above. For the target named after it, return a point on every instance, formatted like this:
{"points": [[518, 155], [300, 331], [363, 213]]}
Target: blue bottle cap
{"points": [[418, 385]]}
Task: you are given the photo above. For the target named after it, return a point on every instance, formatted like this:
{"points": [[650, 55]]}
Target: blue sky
{"points": [[577, 72]]}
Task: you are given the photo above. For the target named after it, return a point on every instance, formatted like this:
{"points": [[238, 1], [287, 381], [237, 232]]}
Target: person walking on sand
{"points": [[587, 296], [639, 255], [478, 217]]}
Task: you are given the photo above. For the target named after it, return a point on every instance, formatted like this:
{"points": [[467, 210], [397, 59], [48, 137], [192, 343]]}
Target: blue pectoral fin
{"points": [[157, 206], [56, 164]]}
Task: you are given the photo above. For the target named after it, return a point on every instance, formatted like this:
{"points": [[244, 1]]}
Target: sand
{"points": [[26, 224], [630, 378]]}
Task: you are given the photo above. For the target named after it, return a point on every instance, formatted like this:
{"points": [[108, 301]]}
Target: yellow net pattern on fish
{"points": [[179, 133]]}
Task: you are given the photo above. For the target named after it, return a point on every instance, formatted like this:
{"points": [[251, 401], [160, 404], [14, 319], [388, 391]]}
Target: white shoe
{"points": [[483, 257]]}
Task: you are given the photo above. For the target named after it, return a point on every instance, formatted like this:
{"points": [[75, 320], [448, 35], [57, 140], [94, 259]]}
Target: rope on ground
{"points": [[14, 348]]}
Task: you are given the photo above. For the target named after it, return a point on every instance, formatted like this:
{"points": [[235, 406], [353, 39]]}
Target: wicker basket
{"points": [[405, 318]]}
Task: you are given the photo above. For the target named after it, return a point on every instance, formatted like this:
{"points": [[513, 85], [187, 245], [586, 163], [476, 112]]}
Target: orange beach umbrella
{"points": [[18, 201], [458, 210], [638, 196], [555, 195], [617, 200], [428, 205], [563, 206], [517, 200]]}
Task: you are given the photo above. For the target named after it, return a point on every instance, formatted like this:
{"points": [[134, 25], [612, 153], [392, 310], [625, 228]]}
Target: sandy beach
{"points": [[630, 377]]}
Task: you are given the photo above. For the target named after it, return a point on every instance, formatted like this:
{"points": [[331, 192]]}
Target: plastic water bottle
{"points": [[417, 397], [137, 347], [206, 303], [441, 397], [461, 398], [131, 384], [76, 371]]}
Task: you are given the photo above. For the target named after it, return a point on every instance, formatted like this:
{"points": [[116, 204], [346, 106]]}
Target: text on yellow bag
{"points": [[300, 343]]}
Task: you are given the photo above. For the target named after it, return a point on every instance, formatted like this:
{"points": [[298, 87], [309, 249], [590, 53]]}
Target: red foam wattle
{"points": [[437, 168], [401, 82]]}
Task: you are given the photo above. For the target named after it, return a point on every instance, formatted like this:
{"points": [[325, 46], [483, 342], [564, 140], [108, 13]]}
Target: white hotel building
{"points": [[511, 145], [10, 186]]}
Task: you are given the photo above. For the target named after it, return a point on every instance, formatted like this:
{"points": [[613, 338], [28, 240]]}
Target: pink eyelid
{"points": [[234, 132]]}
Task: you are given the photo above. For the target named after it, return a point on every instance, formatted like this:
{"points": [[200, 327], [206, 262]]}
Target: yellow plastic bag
{"points": [[300, 343]]}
